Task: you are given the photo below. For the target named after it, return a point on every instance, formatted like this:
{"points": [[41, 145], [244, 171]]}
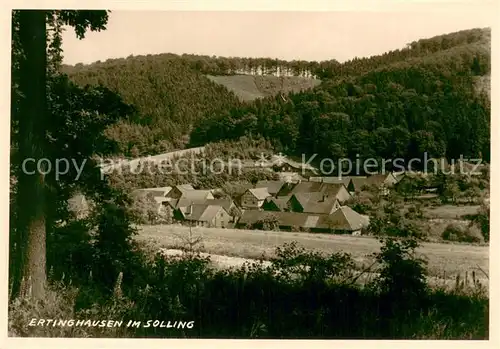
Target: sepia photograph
{"points": [[250, 174]]}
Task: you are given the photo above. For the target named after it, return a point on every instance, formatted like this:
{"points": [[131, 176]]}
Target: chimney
{"points": [[189, 209]]}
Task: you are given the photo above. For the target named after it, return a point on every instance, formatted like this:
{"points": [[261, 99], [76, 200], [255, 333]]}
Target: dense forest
{"points": [[421, 98], [390, 106]]}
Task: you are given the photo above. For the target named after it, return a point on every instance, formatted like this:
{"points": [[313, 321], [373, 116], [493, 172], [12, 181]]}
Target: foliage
{"points": [[301, 294], [168, 95], [269, 222], [402, 275], [460, 233], [399, 109]]}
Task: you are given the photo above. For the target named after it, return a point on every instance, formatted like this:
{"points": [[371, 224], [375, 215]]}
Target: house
{"points": [[281, 163], [186, 191], [254, 198], [285, 220], [180, 206], [273, 187], [153, 198], [381, 181], [339, 191], [343, 220], [312, 203], [160, 191], [205, 215], [275, 204], [399, 175]]}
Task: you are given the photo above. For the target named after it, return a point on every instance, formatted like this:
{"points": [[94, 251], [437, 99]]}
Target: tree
{"points": [[31, 235], [451, 191], [30, 119], [269, 222]]}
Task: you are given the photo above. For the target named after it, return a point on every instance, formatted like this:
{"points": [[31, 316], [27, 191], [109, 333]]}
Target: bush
{"points": [[302, 294], [461, 233]]}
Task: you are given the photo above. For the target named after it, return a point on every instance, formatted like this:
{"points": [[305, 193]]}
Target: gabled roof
{"points": [[203, 212], [160, 191], [195, 194], [313, 187], [184, 187], [377, 179], [315, 202], [345, 218], [399, 175], [280, 160], [259, 193], [281, 202], [359, 182], [160, 199], [272, 187], [185, 202]]}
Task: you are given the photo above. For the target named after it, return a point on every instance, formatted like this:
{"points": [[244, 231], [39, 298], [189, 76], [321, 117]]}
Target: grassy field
{"points": [[445, 261], [249, 87], [450, 211]]}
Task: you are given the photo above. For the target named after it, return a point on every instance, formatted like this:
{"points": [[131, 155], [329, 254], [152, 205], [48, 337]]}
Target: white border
{"points": [[237, 5]]}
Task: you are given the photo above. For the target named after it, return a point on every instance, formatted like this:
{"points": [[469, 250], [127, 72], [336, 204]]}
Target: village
{"points": [[298, 200]]}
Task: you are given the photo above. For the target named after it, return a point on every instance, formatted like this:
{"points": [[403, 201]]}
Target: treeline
{"points": [[415, 49], [216, 65], [201, 170], [402, 110]]}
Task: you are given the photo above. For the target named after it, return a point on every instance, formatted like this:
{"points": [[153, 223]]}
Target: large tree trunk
{"points": [[30, 245]]}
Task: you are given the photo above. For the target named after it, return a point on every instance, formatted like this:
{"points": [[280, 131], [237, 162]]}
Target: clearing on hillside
{"points": [[251, 87]]}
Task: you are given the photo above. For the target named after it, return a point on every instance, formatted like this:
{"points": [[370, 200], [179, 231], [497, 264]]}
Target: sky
{"points": [[318, 36]]}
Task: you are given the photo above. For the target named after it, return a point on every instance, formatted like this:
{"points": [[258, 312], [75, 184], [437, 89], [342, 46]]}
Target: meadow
{"points": [[445, 261]]}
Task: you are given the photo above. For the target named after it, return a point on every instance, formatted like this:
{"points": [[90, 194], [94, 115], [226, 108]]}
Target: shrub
{"points": [[461, 233]]}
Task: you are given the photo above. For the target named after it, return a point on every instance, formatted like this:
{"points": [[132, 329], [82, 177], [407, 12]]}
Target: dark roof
{"points": [[315, 202], [344, 219], [281, 202], [288, 219], [312, 187], [185, 202]]}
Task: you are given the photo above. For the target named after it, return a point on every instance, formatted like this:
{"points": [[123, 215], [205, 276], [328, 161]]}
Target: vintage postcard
{"points": [[260, 174]]}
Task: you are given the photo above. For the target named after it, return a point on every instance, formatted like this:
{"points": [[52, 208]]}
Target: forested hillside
{"points": [[429, 96], [171, 92], [168, 95], [423, 98]]}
